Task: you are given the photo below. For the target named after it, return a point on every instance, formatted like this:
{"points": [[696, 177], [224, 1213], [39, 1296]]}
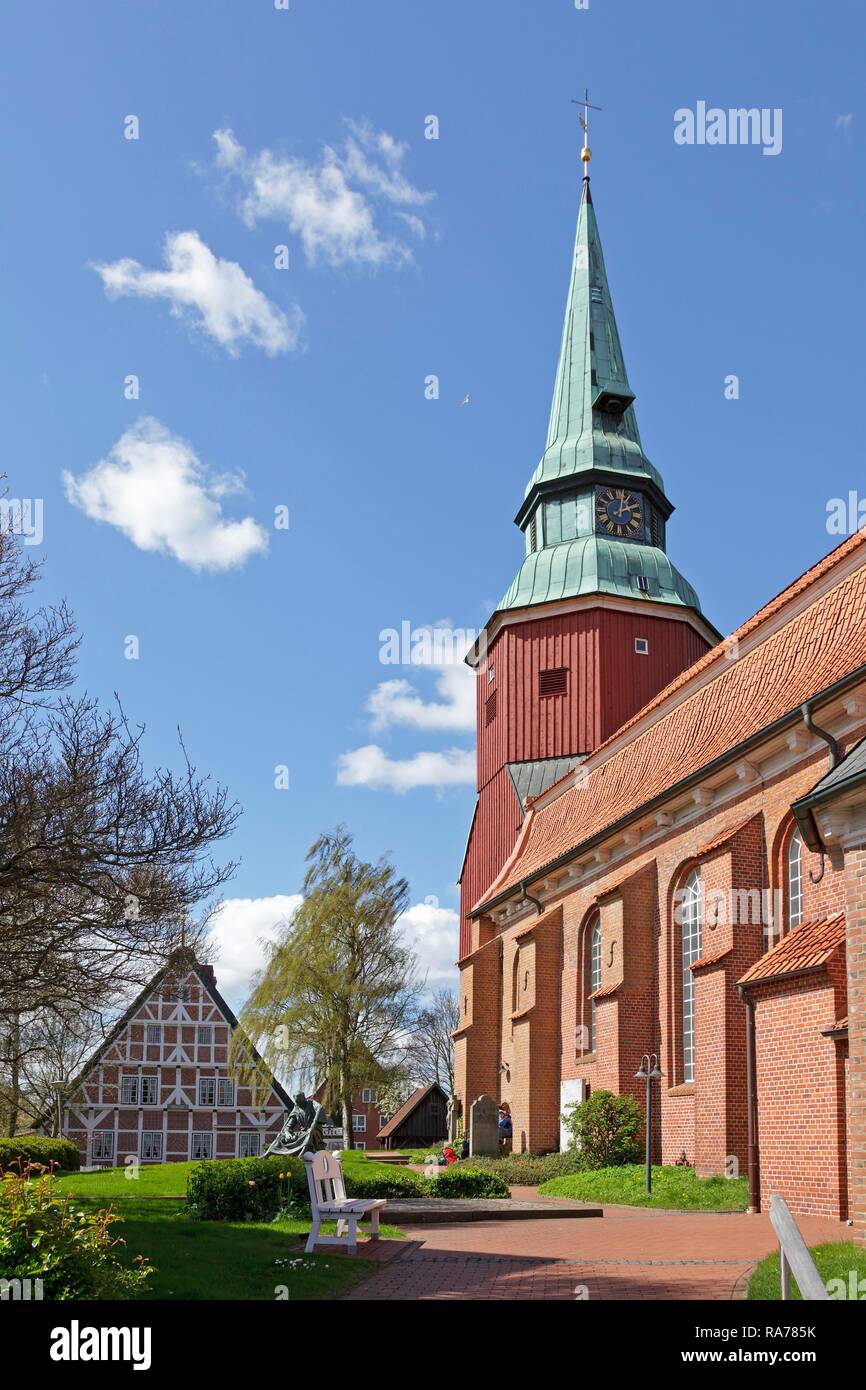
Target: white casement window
{"points": [[202, 1144], [359, 1123], [129, 1090], [153, 1033], [641, 646], [249, 1144], [101, 1145], [204, 1034], [150, 1090], [151, 1146], [594, 978], [360, 1144], [226, 1091], [795, 881], [207, 1090], [369, 1096], [691, 913]]}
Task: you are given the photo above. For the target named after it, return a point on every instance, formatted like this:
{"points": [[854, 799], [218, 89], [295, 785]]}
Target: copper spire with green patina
{"points": [[595, 511]]}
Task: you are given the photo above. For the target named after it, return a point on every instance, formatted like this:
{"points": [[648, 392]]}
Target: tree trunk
{"points": [[14, 1077]]}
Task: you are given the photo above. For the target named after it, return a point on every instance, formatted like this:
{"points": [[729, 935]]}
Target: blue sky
{"points": [[304, 387]]}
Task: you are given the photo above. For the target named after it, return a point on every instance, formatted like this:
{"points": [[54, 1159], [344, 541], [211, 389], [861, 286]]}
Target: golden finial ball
{"points": [[586, 154]]}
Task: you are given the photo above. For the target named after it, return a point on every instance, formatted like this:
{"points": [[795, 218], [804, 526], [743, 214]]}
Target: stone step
{"points": [[451, 1210]]}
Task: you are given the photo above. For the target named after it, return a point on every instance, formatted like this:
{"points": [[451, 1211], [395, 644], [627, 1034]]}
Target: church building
{"points": [[668, 850]]}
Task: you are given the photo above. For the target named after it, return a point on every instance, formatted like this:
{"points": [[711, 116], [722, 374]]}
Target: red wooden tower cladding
{"points": [[597, 620]]}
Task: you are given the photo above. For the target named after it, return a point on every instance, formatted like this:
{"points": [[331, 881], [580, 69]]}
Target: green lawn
{"points": [[672, 1188], [834, 1261], [211, 1259]]}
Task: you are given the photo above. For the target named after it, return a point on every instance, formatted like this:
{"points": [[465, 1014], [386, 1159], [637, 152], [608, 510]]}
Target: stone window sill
{"points": [[687, 1089]]}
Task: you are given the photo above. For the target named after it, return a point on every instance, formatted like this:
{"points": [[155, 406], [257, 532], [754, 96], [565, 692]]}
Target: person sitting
{"points": [[506, 1128]]}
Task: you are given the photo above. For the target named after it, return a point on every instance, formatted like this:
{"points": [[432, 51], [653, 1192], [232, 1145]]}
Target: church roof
{"points": [[532, 778], [591, 369], [596, 565], [740, 687], [807, 947]]}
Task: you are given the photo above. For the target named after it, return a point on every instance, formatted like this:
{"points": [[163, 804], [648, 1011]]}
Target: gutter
{"points": [[752, 1142], [732, 755]]}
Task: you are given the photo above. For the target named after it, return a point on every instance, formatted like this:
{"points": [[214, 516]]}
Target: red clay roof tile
{"points": [[806, 947]]}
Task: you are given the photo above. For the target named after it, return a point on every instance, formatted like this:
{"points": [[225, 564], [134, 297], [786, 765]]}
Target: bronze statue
{"points": [[302, 1128]]}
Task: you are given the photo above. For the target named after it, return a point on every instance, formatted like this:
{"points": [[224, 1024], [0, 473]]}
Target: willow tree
{"points": [[340, 988]]}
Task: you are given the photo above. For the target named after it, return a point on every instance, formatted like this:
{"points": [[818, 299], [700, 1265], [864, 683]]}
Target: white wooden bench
{"points": [[329, 1202]]}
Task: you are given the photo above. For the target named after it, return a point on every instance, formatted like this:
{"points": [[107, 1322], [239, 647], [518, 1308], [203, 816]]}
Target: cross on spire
{"points": [[586, 152]]}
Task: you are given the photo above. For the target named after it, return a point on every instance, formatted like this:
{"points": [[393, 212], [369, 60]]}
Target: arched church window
{"points": [[593, 977], [690, 914], [795, 881]]}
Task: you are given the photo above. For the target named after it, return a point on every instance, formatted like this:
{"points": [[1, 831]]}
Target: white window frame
{"points": [[144, 1079], [359, 1123], [361, 1145], [369, 1096], [205, 1141], [206, 1081], [226, 1092], [151, 1139], [594, 977], [129, 1083], [250, 1139], [103, 1139], [150, 1030], [795, 880], [383, 1120], [205, 1029], [641, 646], [691, 918]]}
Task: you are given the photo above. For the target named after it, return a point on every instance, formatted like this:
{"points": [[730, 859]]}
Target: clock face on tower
{"points": [[618, 512]]}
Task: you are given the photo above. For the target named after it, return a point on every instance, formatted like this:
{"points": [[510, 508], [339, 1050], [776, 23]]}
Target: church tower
{"points": [[597, 620]]}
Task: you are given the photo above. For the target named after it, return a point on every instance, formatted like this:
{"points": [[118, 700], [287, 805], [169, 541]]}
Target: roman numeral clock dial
{"points": [[618, 512]]}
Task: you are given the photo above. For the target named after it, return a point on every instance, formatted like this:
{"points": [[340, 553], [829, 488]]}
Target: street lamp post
{"points": [[649, 1072]]}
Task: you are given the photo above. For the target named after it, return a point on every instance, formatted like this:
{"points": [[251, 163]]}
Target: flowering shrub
{"points": [[247, 1189], [44, 1235]]}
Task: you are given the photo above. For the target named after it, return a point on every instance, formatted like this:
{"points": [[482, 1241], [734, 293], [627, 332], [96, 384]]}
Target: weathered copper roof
{"points": [[805, 948]]}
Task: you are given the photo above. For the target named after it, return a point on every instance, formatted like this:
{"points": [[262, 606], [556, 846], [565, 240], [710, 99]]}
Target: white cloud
{"points": [[153, 488], [238, 928], [398, 702], [371, 767], [219, 295], [329, 205], [845, 122], [431, 931]]}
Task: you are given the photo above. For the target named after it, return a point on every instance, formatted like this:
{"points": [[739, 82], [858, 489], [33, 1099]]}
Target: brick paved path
{"points": [[628, 1254]]}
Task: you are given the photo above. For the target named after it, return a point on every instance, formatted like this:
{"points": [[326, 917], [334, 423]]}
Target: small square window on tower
{"points": [[553, 682], [641, 646]]}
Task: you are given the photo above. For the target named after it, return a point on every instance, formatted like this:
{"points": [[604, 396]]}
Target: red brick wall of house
{"points": [[855, 880], [802, 1126]]}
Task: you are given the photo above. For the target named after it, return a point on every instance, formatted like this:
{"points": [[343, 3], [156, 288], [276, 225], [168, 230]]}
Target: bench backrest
{"points": [[325, 1178]]}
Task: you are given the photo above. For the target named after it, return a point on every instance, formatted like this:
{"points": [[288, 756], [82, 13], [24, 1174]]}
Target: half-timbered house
{"points": [[161, 1089]]}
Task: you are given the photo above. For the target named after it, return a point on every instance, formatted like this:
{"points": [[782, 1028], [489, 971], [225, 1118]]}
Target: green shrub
{"points": [[36, 1148], [529, 1170], [43, 1235], [390, 1183], [458, 1181], [247, 1189], [606, 1129]]}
